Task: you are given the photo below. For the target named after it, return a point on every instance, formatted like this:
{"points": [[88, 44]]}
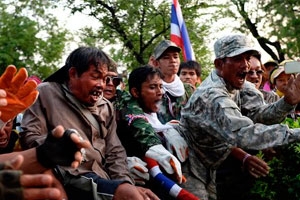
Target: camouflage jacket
{"points": [[135, 132], [270, 96], [217, 118], [171, 106]]}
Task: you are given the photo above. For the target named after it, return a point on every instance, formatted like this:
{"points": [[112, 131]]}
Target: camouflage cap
{"points": [[163, 46], [233, 45]]}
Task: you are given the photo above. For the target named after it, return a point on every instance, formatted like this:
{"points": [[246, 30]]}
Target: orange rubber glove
{"points": [[19, 95]]}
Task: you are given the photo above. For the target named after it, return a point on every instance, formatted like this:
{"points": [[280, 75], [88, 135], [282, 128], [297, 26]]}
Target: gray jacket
{"points": [[56, 106], [217, 118]]}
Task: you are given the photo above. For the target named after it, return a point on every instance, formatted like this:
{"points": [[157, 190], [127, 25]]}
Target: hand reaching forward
{"points": [[62, 147], [28, 186], [19, 95], [292, 94]]}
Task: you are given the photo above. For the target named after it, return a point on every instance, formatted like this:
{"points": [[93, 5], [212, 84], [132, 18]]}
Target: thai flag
{"points": [[179, 34]]}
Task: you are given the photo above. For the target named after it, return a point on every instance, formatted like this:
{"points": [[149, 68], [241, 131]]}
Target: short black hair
{"points": [[140, 75], [191, 64], [81, 58]]}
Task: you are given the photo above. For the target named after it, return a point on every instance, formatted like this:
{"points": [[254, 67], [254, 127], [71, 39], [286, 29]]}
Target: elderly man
{"points": [[226, 112], [73, 97]]}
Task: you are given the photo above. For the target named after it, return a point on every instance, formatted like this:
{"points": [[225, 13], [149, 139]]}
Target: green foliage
{"points": [[285, 24], [133, 28], [273, 23], [30, 37], [283, 181]]}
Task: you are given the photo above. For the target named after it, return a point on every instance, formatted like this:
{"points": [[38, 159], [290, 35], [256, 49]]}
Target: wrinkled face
{"points": [[255, 73], [234, 69], [5, 132], [189, 76], [281, 82], [110, 88], [88, 87], [151, 94], [169, 63]]}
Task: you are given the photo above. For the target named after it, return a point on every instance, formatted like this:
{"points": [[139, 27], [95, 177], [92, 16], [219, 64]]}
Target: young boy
{"points": [[190, 72]]}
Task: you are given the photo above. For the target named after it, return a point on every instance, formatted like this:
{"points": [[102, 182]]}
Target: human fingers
{"points": [[58, 131], [147, 194], [17, 162], [12, 164], [78, 159], [57, 184], [79, 141], [41, 193], [257, 167], [292, 92], [2, 93], [36, 180], [3, 100]]}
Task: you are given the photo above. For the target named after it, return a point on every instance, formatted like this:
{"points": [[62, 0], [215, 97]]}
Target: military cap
{"points": [[233, 45], [163, 46]]}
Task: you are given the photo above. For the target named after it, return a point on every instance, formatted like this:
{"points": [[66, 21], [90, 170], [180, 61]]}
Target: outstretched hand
{"points": [[292, 93], [62, 147], [19, 95], [28, 186]]}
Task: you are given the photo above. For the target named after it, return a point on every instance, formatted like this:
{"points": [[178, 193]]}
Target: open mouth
{"points": [[95, 95], [108, 91], [3, 141], [158, 103], [242, 75]]}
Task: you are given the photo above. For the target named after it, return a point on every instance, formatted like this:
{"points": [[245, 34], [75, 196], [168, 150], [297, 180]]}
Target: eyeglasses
{"points": [[115, 80], [258, 72]]}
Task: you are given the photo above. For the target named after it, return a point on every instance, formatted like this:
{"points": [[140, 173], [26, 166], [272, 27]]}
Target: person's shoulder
{"points": [[47, 85], [189, 89], [249, 85], [103, 101], [250, 88]]}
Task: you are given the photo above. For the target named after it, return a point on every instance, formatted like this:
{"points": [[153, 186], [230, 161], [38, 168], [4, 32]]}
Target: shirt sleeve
{"points": [[139, 129], [254, 107], [250, 135]]}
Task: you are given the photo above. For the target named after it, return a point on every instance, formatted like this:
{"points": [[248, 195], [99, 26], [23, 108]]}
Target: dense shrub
{"points": [[283, 181]]}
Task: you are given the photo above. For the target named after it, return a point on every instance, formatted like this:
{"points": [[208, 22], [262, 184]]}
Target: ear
{"points": [[219, 63], [135, 93], [72, 72], [155, 63]]}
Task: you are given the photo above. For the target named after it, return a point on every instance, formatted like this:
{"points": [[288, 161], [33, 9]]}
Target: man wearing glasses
{"points": [[112, 81], [255, 76]]}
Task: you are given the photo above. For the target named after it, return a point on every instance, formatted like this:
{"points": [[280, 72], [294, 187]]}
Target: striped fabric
{"points": [[179, 34]]}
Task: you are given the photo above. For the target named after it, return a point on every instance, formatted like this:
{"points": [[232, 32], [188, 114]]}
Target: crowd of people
{"points": [[168, 135]]}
